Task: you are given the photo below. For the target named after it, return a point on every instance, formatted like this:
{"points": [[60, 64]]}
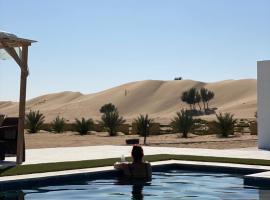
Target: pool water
{"points": [[174, 184]]}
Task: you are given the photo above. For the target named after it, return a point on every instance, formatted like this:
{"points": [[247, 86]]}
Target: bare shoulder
{"points": [[147, 163], [120, 165]]}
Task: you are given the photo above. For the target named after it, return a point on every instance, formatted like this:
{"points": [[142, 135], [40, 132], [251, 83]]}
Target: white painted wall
{"points": [[263, 104]]}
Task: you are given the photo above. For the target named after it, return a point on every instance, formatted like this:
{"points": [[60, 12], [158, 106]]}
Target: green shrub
{"points": [[143, 124], [107, 108], [224, 124], [34, 120], [182, 122], [111, 121], [83, 126], [58, 124]]}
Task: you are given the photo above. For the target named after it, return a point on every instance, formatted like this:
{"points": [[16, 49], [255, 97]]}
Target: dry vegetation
{"points": [[72, 139]]}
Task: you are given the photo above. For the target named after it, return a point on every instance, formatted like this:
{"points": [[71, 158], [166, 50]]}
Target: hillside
{"points": [[160, 99]]}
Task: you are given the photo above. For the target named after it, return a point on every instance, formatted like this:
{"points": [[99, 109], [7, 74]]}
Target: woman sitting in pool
{"points": [[138, 168]]}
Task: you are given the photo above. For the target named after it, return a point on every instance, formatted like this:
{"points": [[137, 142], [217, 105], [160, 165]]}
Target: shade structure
{"points": [[17, 48]]}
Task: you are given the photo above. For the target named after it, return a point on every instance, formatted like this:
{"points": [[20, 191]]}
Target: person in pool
{"points": [[138, 168]]}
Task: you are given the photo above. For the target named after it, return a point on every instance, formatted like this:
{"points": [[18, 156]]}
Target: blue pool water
{"points": [[174, 184]]}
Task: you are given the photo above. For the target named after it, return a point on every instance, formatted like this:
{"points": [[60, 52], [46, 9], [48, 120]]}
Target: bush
{"points": [[83, 126], [107, 108], [111, 121], [58, 124], [224, 124], [143, 124], [34, 120], [182, 122]]}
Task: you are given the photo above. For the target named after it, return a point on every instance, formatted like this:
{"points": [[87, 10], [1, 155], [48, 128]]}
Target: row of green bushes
{"points": [[183, 122]]}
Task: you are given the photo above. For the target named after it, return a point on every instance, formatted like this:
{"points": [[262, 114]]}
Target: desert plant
{"points": [[183, 122], [109, 107], [224, 124], [34, 120], [143, 124], [58, 124], [206, 96], [184, 98], [190, 98], [83, 126], [198, 99], [111, 121]]}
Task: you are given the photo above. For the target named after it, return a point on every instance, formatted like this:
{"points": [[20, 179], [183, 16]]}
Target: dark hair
{"points": [[137, 153]]}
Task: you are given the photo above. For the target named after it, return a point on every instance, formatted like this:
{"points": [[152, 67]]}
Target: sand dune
{"points": [[160, 99]]}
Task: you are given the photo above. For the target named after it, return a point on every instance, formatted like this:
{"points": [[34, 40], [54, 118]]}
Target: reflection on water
{"points": [[175, 184], [137, 192], [264, 194], [18, 195], [137, 186]]}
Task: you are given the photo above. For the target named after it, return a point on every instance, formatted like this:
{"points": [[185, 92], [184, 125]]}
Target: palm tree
{"points": [[225, 124], [58, 124], [111, 121], [143, 124], [183, 122], [83, 126], [34, 120]]}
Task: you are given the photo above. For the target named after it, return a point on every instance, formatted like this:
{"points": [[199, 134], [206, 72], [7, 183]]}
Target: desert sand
{"points": [[160, 99], [72, 139]]}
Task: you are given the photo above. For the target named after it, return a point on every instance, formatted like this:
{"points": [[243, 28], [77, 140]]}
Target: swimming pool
{"points": [[173, 184]]}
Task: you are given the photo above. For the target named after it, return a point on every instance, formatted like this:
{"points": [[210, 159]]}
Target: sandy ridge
{"points": [[160, 99]]}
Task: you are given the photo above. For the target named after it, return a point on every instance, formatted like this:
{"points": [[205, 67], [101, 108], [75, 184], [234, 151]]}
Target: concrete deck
{"points": [[52, 155]]}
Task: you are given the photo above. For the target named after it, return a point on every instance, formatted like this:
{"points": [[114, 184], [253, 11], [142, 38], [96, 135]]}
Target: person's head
{"points": [[137, 153]]}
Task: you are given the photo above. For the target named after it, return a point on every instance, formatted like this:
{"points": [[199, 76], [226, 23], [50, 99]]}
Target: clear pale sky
{"points": [[89, 46]]}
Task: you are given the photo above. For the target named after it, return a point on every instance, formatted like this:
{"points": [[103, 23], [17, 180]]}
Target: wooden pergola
{"points": [[17, 48]]}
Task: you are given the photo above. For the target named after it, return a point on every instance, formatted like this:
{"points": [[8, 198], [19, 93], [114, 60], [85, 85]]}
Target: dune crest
{"points": [[160, 99]]}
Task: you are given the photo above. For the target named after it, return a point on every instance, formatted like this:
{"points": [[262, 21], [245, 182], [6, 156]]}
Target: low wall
{"points": [[154, 129]]}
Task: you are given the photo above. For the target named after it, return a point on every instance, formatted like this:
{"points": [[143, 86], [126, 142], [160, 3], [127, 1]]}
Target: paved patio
{"points": [[51, 155]]}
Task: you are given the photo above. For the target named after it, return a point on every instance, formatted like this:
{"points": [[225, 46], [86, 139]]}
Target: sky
{"points": [[92, 45]]}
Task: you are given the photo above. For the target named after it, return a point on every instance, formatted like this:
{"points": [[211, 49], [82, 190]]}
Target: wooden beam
{"points": [[11, 51], [20, 140]]}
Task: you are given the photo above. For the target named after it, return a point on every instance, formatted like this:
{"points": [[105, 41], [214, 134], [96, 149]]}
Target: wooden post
{"points": [[20, 140]]}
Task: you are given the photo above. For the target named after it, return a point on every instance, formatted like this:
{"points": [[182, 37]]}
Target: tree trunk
{"points": [[199, 106], [184, 134], [144, 141]]}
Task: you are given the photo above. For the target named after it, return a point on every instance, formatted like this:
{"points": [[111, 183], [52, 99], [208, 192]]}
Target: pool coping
{"points": [[254, 175]]}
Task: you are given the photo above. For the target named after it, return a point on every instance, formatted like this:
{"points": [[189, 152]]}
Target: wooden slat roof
{"points": [[11, 40]]}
